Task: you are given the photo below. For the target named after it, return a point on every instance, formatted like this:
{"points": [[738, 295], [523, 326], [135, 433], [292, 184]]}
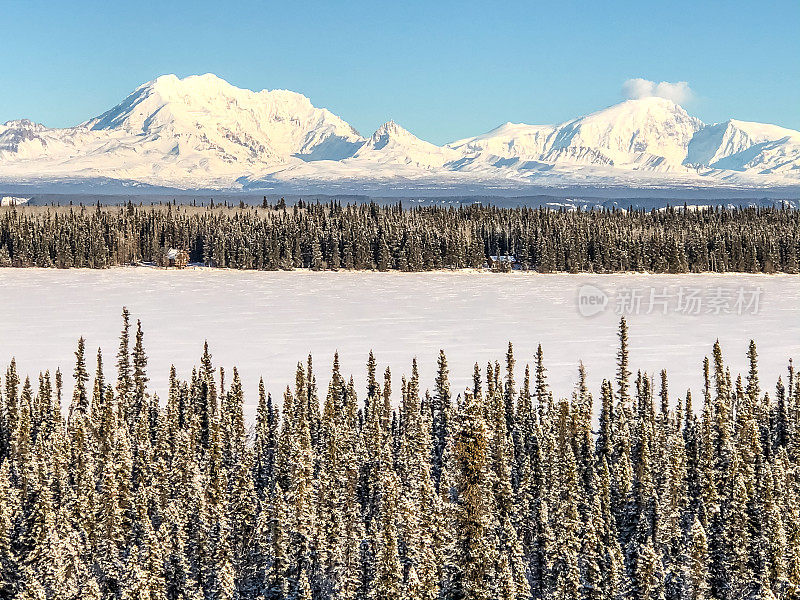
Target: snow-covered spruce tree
{"points": [[698, 587], [440, 408], [474, 551], [265, 443], [420, 505], [138, 400], [124, 381], [80, 398], [623, 374], [388, 582]]}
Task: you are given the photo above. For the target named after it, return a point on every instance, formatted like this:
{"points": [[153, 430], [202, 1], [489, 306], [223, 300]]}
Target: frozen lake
{"points": [[265, 322]]}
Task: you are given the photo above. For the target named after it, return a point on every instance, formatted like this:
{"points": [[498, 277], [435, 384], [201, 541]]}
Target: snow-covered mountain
{"points": [[746, 146], [650, 134], [205, 113], [202, 132], [393, 145]]}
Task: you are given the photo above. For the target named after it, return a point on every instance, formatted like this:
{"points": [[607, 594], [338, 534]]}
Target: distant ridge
{"points": [[201, 132]]}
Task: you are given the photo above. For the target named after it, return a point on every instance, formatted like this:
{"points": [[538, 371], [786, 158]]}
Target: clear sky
{"points": [[443, 70]]}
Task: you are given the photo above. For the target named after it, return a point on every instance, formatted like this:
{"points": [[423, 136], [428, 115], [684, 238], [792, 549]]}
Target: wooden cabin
{"points": [[176, 258], [502, 264]]}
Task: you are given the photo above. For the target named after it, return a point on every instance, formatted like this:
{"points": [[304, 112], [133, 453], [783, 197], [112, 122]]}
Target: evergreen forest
{"points": [[397, 491], [371, 237]]}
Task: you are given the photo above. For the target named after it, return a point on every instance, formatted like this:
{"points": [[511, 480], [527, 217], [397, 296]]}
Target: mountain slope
{"points": [[201, 131], [194, 131], [650, 133], [744, 146]]}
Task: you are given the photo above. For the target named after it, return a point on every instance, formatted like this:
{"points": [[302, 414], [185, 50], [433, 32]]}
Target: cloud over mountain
{"points": [[679, 92]]}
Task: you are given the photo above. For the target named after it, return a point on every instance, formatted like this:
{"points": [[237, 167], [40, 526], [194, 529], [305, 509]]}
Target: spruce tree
{"points": [[80, 398], [440, 410]]}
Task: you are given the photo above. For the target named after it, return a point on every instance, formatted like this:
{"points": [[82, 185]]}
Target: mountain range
{"points": [[201, 132]]}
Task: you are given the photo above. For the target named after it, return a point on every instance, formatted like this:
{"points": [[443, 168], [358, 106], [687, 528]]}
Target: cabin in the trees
{"points": [[503, 263], [177, 258]]}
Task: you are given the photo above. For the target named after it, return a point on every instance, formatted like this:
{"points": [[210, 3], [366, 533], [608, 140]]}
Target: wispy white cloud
{"points": [[679, 92]]}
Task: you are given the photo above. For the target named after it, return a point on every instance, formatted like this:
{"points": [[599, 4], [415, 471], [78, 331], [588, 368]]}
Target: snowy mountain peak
{"points": [[648, 132], [207, 84], [204, 114], [26, 124], [17, 132], [642, 114], [389, 127], [744, 145], [391, 131], [169, 99], [392, 144]]}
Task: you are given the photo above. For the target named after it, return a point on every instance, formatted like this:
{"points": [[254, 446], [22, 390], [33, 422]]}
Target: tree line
{"points": [[502, 491], [371, 237]]}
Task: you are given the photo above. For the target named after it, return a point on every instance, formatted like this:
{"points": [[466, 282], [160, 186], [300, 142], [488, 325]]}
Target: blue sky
{"points": [[444, 70]]}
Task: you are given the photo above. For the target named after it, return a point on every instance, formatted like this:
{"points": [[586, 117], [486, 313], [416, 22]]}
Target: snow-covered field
{"points": [[265, 322]]}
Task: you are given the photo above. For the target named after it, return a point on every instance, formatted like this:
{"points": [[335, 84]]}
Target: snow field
{"points": [[265, 322]]}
